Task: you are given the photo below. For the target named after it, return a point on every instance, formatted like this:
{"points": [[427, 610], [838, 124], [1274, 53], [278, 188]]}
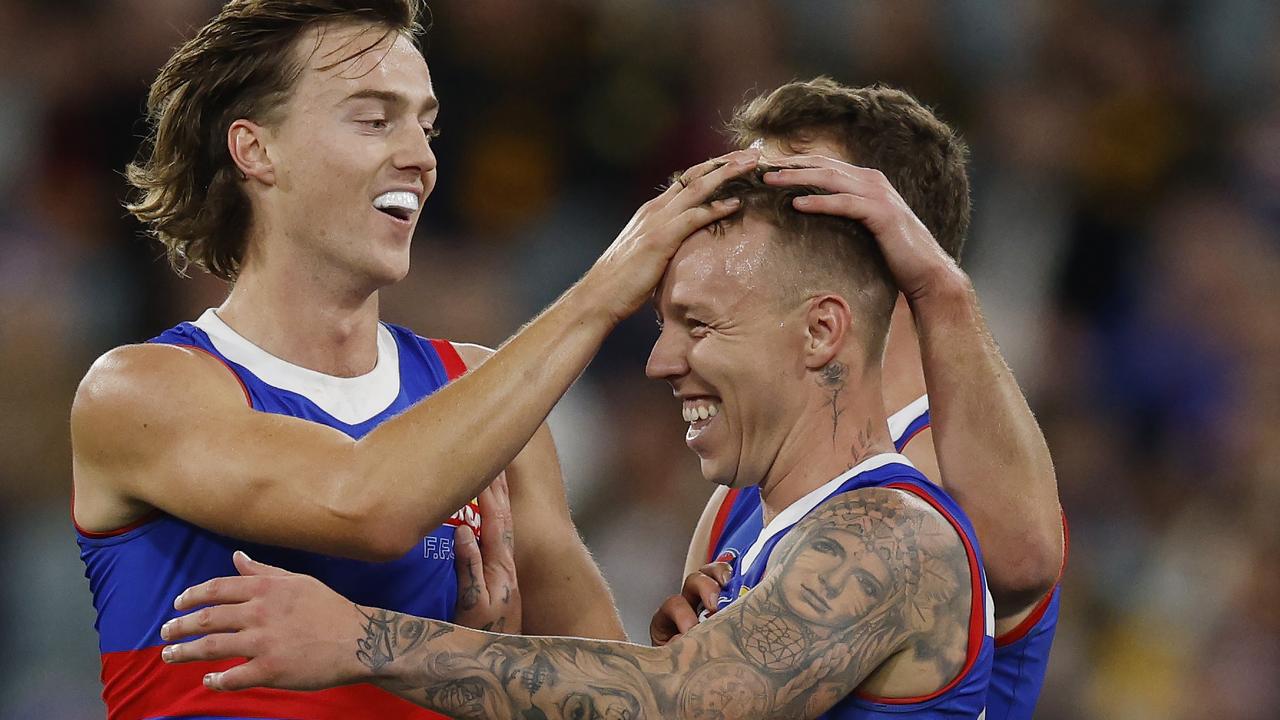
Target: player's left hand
{"points": [[296, 633], [679, 613], [918, 264], [488, 594]]}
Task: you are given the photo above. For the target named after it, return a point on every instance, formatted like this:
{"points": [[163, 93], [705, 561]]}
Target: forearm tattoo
{"points": [[868, 575]]}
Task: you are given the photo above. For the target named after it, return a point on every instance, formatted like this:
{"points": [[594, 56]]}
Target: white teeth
{"points": [[397, 200], [694, 413]]}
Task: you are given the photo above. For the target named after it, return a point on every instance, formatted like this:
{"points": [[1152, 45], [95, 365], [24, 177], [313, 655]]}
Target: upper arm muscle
{"points": [[854, 584], [169, 428]]}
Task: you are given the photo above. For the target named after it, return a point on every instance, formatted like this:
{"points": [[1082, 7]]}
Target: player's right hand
{"points": [[918, 264], [626, 274], [678, 613]]}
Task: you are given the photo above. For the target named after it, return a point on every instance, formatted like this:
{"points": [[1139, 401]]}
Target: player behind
{"points": [[868, 577], [290, 156], [990, 454]]}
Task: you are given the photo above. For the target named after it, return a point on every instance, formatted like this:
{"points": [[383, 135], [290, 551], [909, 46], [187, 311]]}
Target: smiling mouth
{"points": [[397, 204], [699, 412], [400, 214]]}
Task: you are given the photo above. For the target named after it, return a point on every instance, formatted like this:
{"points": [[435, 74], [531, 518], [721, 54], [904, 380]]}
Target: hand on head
{"points": [[914, 257], [631, 267]]}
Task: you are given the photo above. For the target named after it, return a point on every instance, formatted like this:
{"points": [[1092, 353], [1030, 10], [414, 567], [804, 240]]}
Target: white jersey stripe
{"points": [[350, 400]]}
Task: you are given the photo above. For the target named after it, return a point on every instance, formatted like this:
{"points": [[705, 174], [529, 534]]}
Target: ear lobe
{"points": [[246, 141], [828, 322]]}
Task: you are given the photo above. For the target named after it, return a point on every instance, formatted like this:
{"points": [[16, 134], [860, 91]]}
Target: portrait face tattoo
{"points": [[857, 566]]}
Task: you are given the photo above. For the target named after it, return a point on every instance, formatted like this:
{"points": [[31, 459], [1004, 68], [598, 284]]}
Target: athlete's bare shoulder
{"points": [[129, 401], [135, 377]]}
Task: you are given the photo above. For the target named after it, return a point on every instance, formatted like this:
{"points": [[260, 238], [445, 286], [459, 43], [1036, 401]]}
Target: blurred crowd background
{"points": [[1126, 247]]}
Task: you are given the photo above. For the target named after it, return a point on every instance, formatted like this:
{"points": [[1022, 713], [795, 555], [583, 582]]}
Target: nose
{"points": [[414, 151], [833, 583], [669, 358]]}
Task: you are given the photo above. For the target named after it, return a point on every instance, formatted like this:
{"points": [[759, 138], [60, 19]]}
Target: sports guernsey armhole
{"points": [[454, 367], [908, 422], [977, 607], [154, 513], [722, 517], [1024, 628], [243, 388], [912, 433], [108, 534]]}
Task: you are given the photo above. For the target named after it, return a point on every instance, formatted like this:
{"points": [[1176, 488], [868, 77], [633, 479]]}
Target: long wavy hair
{"points": [[243, 64]]}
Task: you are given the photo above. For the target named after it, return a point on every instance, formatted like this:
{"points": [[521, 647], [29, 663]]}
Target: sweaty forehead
{"points": [[721, 268]]}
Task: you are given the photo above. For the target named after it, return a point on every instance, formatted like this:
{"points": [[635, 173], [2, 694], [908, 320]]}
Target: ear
{"points": [[247, 143], [828, 329]]}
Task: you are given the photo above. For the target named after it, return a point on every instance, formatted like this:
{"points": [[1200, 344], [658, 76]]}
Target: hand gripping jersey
{"points": [[137, 571], [965, 695], [1022, 654]]}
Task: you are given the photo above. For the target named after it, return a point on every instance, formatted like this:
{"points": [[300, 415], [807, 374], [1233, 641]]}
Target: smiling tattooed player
{"points": [[290, 157], [973, 433], [864, 593]]}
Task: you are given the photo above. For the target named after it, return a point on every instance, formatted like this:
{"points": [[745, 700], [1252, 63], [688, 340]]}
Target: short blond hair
{"points": [[831, 253]]}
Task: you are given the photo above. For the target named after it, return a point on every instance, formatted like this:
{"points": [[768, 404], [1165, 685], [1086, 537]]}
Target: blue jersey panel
{"points": [[915, 427], [421, 373], [1018, 674]]}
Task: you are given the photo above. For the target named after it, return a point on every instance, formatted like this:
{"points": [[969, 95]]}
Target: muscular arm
{"points": [[991, 454], [561, 589], [870, 575], [167, 428]]}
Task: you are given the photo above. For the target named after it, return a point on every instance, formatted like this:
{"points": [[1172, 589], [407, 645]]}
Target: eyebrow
{"points": [[392, 98], [684, 309]]}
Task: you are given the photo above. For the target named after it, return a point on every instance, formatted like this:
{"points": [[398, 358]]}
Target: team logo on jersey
{"points": [[468, 515], [441, 548], [726, 597]]}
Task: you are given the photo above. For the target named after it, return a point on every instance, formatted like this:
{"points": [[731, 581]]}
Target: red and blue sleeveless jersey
{"points": [[1021, 655], [909, 422], [1022, 659], [748, 551], [136, 572]]}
